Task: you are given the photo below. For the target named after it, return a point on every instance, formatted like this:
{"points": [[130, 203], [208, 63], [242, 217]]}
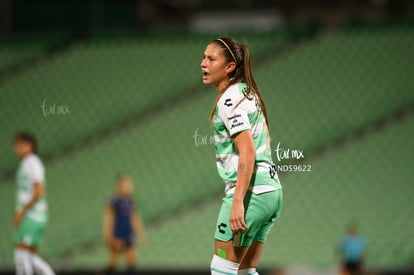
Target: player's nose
{"points": [[203, 64]]}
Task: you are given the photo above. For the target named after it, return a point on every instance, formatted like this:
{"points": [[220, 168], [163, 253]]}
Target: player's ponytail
{"points": [[250, 81], [239, 53]]}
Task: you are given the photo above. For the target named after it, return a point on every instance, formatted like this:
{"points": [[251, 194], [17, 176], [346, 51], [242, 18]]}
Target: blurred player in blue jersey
{"points": [[122, 225]]}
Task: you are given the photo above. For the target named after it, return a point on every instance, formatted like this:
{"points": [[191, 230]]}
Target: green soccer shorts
{"points": [[261, 212], [30, 232]]}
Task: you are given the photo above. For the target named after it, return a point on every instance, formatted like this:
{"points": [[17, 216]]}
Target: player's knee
{"points": [[249, 263], [221, 266]]}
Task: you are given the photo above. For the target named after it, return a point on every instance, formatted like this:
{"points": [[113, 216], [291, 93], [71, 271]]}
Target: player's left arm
{"points": [[138, 227], [247, 154], [38, 192]]}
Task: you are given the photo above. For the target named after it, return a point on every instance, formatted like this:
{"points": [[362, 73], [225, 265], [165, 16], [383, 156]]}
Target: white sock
{"points": [[220, 266], [23, 262], [248, 271], [40, 266]]}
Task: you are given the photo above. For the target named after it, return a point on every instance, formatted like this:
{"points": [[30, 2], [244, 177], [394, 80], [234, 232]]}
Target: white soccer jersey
{"points": [[31, 171], [237, 111]]}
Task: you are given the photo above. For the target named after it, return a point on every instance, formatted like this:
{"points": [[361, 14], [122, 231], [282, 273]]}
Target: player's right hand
{"points": [[237, 222]]}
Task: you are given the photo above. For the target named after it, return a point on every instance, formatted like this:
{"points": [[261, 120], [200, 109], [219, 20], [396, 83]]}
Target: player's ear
{"points": [[231, 66]]}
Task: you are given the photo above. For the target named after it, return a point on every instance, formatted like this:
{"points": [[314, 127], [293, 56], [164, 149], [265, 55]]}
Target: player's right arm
{"points": [[108, 224], [234, 114]]}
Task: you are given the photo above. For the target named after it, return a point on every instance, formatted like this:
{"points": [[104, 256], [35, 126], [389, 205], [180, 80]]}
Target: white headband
{"points": [[227, 46]]}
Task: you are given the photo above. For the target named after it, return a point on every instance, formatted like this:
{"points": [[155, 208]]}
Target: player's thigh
{"points": [[269, 204], [227, 251], [252, 256], [261, 212], [254, 218], [224, 237], [119, 244], [129, 250]]}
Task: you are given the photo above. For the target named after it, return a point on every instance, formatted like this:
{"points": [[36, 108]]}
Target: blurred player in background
{"points": [[253, 198], [352, 249], [122, 224], [31, 209]]}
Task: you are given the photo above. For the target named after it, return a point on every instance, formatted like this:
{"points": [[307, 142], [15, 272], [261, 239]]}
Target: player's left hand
{"points": [[237, 223], [18, 218]]}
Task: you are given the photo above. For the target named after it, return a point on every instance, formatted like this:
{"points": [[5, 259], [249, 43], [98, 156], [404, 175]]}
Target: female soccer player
{"points": [[121, 224], [240, 126], [31, 208]]}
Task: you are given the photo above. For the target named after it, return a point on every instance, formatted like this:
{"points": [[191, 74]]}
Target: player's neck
{"points": [[222, 86], [24, 155]]}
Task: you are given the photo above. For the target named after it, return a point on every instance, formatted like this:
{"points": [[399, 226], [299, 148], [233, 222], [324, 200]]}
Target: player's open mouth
{"points": [[205, 73]]}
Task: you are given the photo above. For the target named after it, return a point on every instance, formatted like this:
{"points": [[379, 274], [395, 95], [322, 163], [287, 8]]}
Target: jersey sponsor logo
{"points": [[236, 124], [228, 103], [235, 116], [234, 121], [220, 226]]}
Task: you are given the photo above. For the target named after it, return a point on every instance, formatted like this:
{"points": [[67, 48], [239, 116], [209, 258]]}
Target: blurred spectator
{"points": [[352, 249]]}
